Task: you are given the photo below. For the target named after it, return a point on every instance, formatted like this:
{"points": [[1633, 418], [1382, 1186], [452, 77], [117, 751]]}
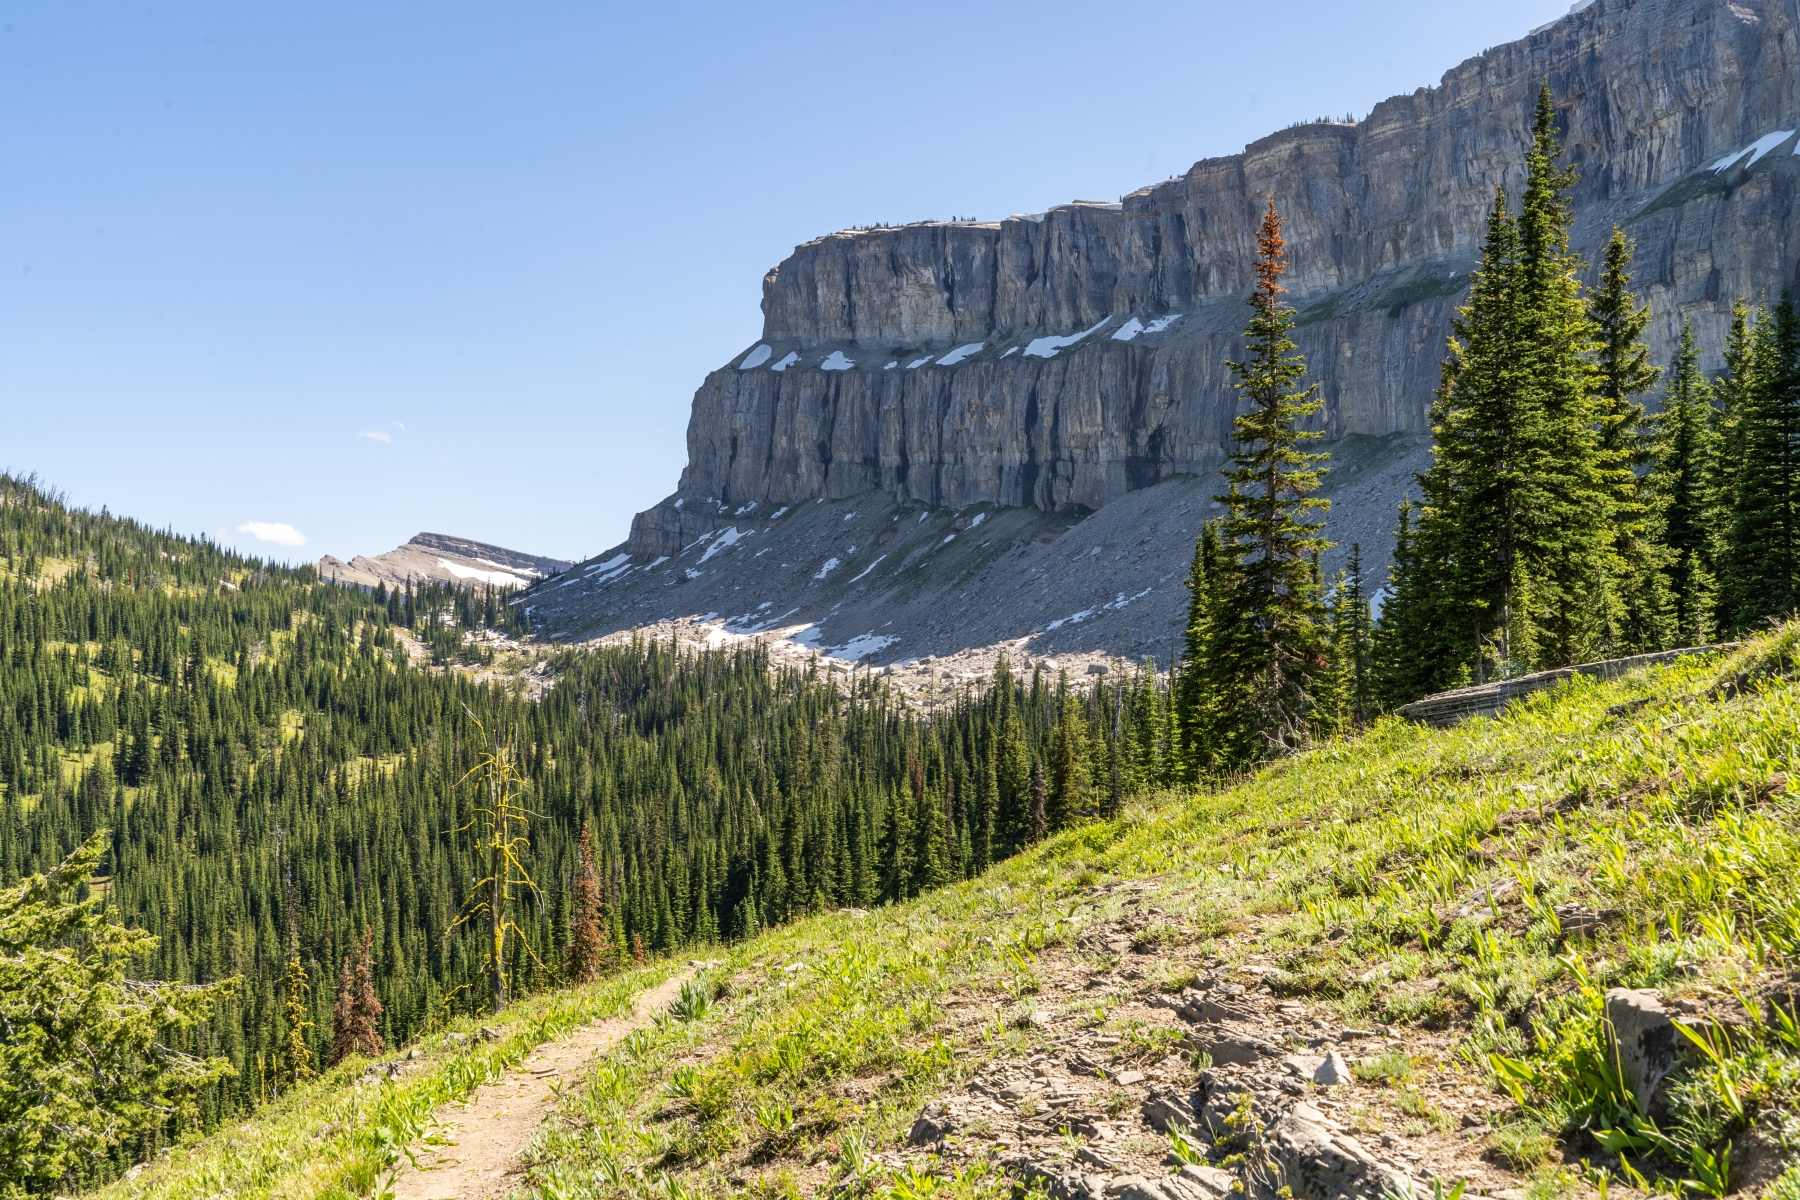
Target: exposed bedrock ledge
{"points": [[1384, 222]]}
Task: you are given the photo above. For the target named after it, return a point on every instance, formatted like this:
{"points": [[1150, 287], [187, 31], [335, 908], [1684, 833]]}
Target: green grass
{"points": [[1347, 863], [334, 1139]]}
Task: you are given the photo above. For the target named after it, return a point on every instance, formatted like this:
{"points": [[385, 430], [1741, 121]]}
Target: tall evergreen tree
{"points": [[1640, 614], [585, 944], [1513, 543], [1268, 639], [1735, 390], [1758, 559], [1195, 700], [1680, 491], [1569, 526]]}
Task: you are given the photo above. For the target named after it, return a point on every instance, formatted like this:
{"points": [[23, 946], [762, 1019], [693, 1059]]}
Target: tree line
{"points": [[1558, 522]]}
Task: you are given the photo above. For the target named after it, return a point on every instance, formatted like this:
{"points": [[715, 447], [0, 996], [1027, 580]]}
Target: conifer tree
{"points": [[88, 1064], [1267, 642], [356, 1013], [1759, 553], [297, 1055], [1680, 485], [1194, 697], [1736, 392], [1640, 615], [1568, 526], [1408, 638], [584, 927], [1068, 762], [1040, 824], [1513, 548]]}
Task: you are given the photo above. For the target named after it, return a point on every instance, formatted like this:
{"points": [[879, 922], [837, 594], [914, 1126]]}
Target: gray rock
{"points": [[1212, 1179], [1202, 1184], [1333, 1071], [1161, 1109], [1240, 1049], [1646, 1041], [1319, 1164], [933, 1125]]}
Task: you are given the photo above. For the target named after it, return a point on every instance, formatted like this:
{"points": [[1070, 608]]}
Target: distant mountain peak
{"points": [[444, 559]]}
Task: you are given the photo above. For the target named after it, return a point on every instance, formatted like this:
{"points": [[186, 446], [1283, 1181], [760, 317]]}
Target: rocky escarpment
{"points": [[1062, 361]]}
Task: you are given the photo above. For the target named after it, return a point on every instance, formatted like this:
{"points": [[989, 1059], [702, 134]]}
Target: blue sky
{"points": [[351, 271]]}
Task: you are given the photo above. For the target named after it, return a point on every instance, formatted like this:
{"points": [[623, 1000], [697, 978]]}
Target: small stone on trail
{"points": [[1127, 1078], [1335, 1070]]}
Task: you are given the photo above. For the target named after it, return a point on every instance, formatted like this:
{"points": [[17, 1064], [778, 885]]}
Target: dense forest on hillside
{"points": [[272, 765]]}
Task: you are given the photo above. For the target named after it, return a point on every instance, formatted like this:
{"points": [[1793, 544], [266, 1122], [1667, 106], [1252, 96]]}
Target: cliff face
{"points": [[1054, 397]]}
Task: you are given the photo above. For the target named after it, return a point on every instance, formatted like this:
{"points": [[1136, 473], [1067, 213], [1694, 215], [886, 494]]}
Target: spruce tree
{"points": [[1409, 647], [1268, 639], [1568, 527], [1681, 489], [1640, 614], [584, 926], [1514, 540], [1759, 558], [1196, 712], [89, 1065], [1736, 392]]}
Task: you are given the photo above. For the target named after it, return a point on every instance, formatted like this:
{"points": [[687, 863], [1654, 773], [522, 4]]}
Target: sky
{"points": [[313, 278]]}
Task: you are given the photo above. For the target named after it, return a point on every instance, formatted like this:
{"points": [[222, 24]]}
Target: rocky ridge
{"points": [[443, 559], [1065, 363]]}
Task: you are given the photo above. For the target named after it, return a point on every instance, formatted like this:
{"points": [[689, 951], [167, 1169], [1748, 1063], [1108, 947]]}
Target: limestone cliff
{"points": [[1064, 360]]}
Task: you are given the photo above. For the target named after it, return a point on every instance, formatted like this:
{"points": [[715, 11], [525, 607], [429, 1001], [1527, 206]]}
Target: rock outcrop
{"points": [[1063, 361], [443, 559]]}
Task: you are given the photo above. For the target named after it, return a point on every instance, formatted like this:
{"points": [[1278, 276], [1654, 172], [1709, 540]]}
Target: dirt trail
{"points": [[492, 1128]]}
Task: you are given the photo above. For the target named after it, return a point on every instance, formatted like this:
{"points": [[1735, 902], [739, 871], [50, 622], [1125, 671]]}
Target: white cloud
{"points": [[273, 531], [377, 435]]}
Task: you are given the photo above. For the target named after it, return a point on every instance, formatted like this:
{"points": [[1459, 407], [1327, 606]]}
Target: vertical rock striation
{"points": [[1069, 386]]}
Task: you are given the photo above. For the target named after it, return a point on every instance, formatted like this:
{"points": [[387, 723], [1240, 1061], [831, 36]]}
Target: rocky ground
{"points": [[1221, 1078], [870, 579]]}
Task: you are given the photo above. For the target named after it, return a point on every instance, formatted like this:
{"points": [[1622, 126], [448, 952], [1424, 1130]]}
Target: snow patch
{"points": [[731, 537], [692, 574], [779, 513], [849, 516], [1010, 350], [948, 540], [1046, 347], [792, 358], [613, 563], [979, 518], [867, 569], [757, 357], [836, 361], [1162, 323], [1128, 330], [916, 363], [891, 365], [1756, 149], [859, 647], [960, 353], [493, 578], [659, 562], [831, 564], [750, 507], [681, 502]]}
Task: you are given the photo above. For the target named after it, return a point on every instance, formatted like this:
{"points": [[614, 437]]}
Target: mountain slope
{"points": [[437, 558], [1443, 911]]}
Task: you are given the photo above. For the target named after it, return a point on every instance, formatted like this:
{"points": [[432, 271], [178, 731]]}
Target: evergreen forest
{"points": [[282, 782]]}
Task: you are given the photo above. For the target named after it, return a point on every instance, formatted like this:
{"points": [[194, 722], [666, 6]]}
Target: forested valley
{"points": [[279, 775]]}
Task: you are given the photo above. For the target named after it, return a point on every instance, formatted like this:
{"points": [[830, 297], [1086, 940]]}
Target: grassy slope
{"points": [[1658, 802]]}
